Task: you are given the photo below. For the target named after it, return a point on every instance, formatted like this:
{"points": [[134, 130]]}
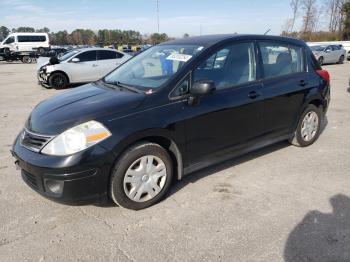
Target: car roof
{"points": [[96, 49], [208, 40]]}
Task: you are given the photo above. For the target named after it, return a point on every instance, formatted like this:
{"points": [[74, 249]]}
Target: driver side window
{"points": [[231, 66], [87, 56], [10, 40]]}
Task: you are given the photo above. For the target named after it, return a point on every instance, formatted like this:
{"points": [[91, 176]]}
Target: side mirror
{"points": [[75, 60], [327, 50], [202, 88]]}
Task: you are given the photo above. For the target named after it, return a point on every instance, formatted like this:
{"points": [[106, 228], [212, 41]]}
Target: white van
{"points": [[20, 42]]}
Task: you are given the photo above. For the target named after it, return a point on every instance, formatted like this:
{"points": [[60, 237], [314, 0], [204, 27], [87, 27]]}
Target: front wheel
{"points": [[309, 126], [58, 80], [141, 176], [341, 59]]}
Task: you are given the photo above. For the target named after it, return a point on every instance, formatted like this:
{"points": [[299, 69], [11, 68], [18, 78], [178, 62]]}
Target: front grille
{"points": [[30, 179], [32, 141]]}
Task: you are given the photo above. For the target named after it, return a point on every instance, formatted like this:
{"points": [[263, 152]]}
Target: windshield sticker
{"points": [[179, 57]]}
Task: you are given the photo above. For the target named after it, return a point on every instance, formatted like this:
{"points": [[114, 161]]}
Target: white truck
{"points": [[26, 42]]}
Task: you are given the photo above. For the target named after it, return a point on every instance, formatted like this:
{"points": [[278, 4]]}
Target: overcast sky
{"points": [[176, 16]]}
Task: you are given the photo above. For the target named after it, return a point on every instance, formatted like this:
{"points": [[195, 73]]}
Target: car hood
{"points": [[41, 61], [88, 102]]}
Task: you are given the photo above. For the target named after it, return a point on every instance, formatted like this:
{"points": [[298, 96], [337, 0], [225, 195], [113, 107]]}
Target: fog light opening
{"points": [[54, 186]]}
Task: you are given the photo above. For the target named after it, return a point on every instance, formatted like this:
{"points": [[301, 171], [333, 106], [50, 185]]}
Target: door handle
{"points": [[302, 83], [94, 65], [253, 94]]}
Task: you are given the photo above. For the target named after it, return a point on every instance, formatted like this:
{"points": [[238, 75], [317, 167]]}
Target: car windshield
{"points": [[153, 67], [68, 55], [318, 48]]}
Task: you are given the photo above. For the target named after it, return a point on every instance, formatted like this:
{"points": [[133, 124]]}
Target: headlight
{"points": [[76, 139]]}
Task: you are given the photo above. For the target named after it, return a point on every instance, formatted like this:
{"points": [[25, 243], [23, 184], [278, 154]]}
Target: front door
{"points": [[229, 117], [86, 70]]}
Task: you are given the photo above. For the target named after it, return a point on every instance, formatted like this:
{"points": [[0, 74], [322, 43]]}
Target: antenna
{"points": [[158, 15], [268, 30]]}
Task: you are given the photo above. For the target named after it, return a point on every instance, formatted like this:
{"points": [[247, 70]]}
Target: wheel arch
{"points": [[62, 72], [161, 139]]}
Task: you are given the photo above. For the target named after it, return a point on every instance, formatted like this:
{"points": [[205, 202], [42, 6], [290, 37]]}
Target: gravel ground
{"points": [[281, 203]]}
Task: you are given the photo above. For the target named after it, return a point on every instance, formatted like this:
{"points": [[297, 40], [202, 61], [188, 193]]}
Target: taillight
{"points": [[324, 75]]}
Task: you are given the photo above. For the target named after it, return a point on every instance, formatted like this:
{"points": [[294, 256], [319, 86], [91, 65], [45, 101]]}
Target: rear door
{"points": [[284, 84], [329, 55], [107, 60], [85, 70]]}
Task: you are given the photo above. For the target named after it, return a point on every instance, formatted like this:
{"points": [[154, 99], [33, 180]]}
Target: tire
{"points": [[341, 59], [26, 59], [129, 189], [300, 138], [40, 51], [7, 51], [321, 61], [58, 81]]}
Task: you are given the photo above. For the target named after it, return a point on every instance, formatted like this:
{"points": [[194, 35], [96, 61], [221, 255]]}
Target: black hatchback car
{"points": [[173, 109]]}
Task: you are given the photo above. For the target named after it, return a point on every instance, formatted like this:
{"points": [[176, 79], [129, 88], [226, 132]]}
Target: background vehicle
{"points": [[80, 66], [25, 42], [348, 56], [173, 109], [25, 57], [328, 54]]}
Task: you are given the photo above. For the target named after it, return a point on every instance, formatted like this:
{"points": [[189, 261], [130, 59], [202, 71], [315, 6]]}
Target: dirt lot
{"points": [[280, 203]]}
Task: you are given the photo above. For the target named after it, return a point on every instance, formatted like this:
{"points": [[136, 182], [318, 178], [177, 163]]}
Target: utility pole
{"points": [[158, 15]]}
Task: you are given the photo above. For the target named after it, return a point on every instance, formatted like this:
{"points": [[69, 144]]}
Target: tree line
{"points": [[90, 37], [310, 14]]}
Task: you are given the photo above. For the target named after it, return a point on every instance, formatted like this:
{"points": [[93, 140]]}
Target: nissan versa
{"points": [[173, 109]]}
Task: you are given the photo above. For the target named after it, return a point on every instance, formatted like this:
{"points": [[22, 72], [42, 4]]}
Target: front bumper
{"points": [[43, 78], [76, 179]]}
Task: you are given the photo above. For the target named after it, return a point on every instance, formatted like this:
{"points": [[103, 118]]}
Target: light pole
{"points": [[158, 15]]}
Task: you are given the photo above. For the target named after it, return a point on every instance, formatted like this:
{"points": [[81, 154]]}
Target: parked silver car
{"points": [[79, 66], [328, 54]]}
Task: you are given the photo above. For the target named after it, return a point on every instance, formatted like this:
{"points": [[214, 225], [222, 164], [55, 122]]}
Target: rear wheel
{"points": [[321, 60], [41, 51], [308, 129], [26, 59], [58, 80], [341, 59], [141, 176]]}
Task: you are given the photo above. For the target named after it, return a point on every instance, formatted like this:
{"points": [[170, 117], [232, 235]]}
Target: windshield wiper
{"points": [[124, 86]]}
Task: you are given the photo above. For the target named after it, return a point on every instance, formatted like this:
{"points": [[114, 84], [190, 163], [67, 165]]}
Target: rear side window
{"points": [[336, 47], [31, 38], [87, 56], [231, 66], [106, 54], [281, 59]]}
